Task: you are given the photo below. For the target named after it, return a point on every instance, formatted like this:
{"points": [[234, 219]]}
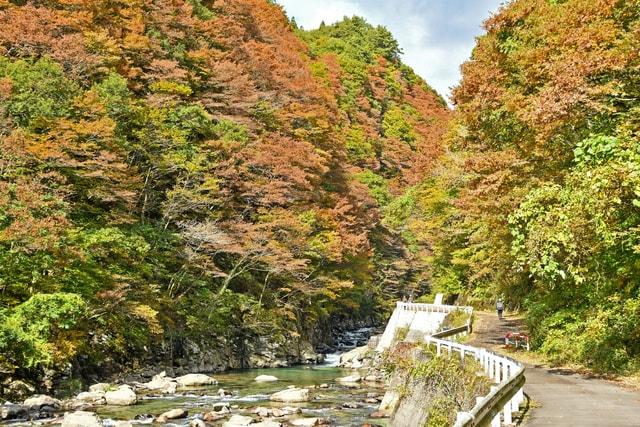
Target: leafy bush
{"points": [[38, 331]]}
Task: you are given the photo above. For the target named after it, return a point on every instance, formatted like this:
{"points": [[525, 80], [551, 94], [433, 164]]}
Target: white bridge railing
{"points": [[497, 407], [431, 308]]}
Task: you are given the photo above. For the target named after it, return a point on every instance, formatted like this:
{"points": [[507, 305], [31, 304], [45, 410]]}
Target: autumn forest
{"points": [[191, 174]]}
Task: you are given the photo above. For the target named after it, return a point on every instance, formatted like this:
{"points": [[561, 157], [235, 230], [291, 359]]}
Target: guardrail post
{"points": [[505, 371], [462, 418], [507, 413]]}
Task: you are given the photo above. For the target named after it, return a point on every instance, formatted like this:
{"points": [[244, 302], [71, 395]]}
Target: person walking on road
{"points": [[499, 308]]}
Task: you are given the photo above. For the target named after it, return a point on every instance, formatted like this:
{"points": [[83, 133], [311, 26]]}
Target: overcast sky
{"points": [[435, 35]]}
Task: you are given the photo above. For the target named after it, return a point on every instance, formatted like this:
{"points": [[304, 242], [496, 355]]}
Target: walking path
{"points": [[559, 397]]}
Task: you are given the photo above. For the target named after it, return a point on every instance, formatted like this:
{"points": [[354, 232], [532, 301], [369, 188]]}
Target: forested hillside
{"points": [[540, 201], [183, 174]]}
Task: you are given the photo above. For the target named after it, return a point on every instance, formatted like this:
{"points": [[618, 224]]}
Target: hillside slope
{"points": [[193, 183], [543, 208]]}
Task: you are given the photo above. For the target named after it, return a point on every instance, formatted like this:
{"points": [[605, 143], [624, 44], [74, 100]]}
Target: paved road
{"points": [[559, 397]]}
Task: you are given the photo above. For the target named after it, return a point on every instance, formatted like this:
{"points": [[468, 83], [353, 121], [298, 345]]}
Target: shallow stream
{"points": [[248, 394]]}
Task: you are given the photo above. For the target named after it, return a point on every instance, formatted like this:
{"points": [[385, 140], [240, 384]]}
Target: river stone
{"points": [[197, 423], [305, 422], [162, 384], [100, 387], [213, 416], [81, 419], [221, 408], [123, 396], [172, 415], [291, 395], [356, 354], [11, 411], [238, 421], [355, 378], [266, 378], [284, 411], [191, 380], [267, 423], [92, 397], [40, 400]]}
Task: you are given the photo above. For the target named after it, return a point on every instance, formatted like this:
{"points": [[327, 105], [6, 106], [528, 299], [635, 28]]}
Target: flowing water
{"points": [[248, 394], [335, 402]]}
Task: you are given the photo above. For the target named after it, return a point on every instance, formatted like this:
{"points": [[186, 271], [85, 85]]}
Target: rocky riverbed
{"points": [[299, 396], [345, 390]]}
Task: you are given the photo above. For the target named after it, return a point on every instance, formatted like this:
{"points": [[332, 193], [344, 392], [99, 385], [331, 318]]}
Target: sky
{"points": [[437, 36]]}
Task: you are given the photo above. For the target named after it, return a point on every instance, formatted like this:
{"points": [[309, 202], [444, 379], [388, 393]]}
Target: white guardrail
{"points": [[432, 308], [497, 407]]}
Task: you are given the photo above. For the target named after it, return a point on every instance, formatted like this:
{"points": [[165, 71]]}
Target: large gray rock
{"points": [[291, 395], [238, 421], [357, 354], [81, 419], [161, 383], [12, 412], [192, 380], [92, 398], [40, 400], [123, 396], [173, 414], [104, 387]]}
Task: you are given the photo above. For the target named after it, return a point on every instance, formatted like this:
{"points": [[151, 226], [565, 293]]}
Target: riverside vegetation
{"points": [[203, 185]]}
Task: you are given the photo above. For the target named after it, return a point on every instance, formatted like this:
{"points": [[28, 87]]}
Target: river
{"points": [[336, 403]]}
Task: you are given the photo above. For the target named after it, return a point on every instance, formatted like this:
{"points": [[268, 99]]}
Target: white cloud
{"points": [[437, 36]]}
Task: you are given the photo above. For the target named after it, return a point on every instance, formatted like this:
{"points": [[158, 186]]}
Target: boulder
{"points": [[17, 389], [193, 380], [197, 423], [40, 400], [262, 412], [103, 387], [357, 354], [161, 383], [173, 414], [81, 419], [238, 421], [92, 397], [11, 411], [123, 396], [354, 378], [213, 416], [291, 395], [266, 378]]}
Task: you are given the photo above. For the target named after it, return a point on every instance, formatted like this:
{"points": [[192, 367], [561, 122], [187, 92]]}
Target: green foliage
{"points": [[396, 125], [358, 145], [377, 186], [33, 333], [40, 91]]}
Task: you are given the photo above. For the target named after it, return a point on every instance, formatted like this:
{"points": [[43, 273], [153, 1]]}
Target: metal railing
{"points": [[497, 407], [431, 308]]}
